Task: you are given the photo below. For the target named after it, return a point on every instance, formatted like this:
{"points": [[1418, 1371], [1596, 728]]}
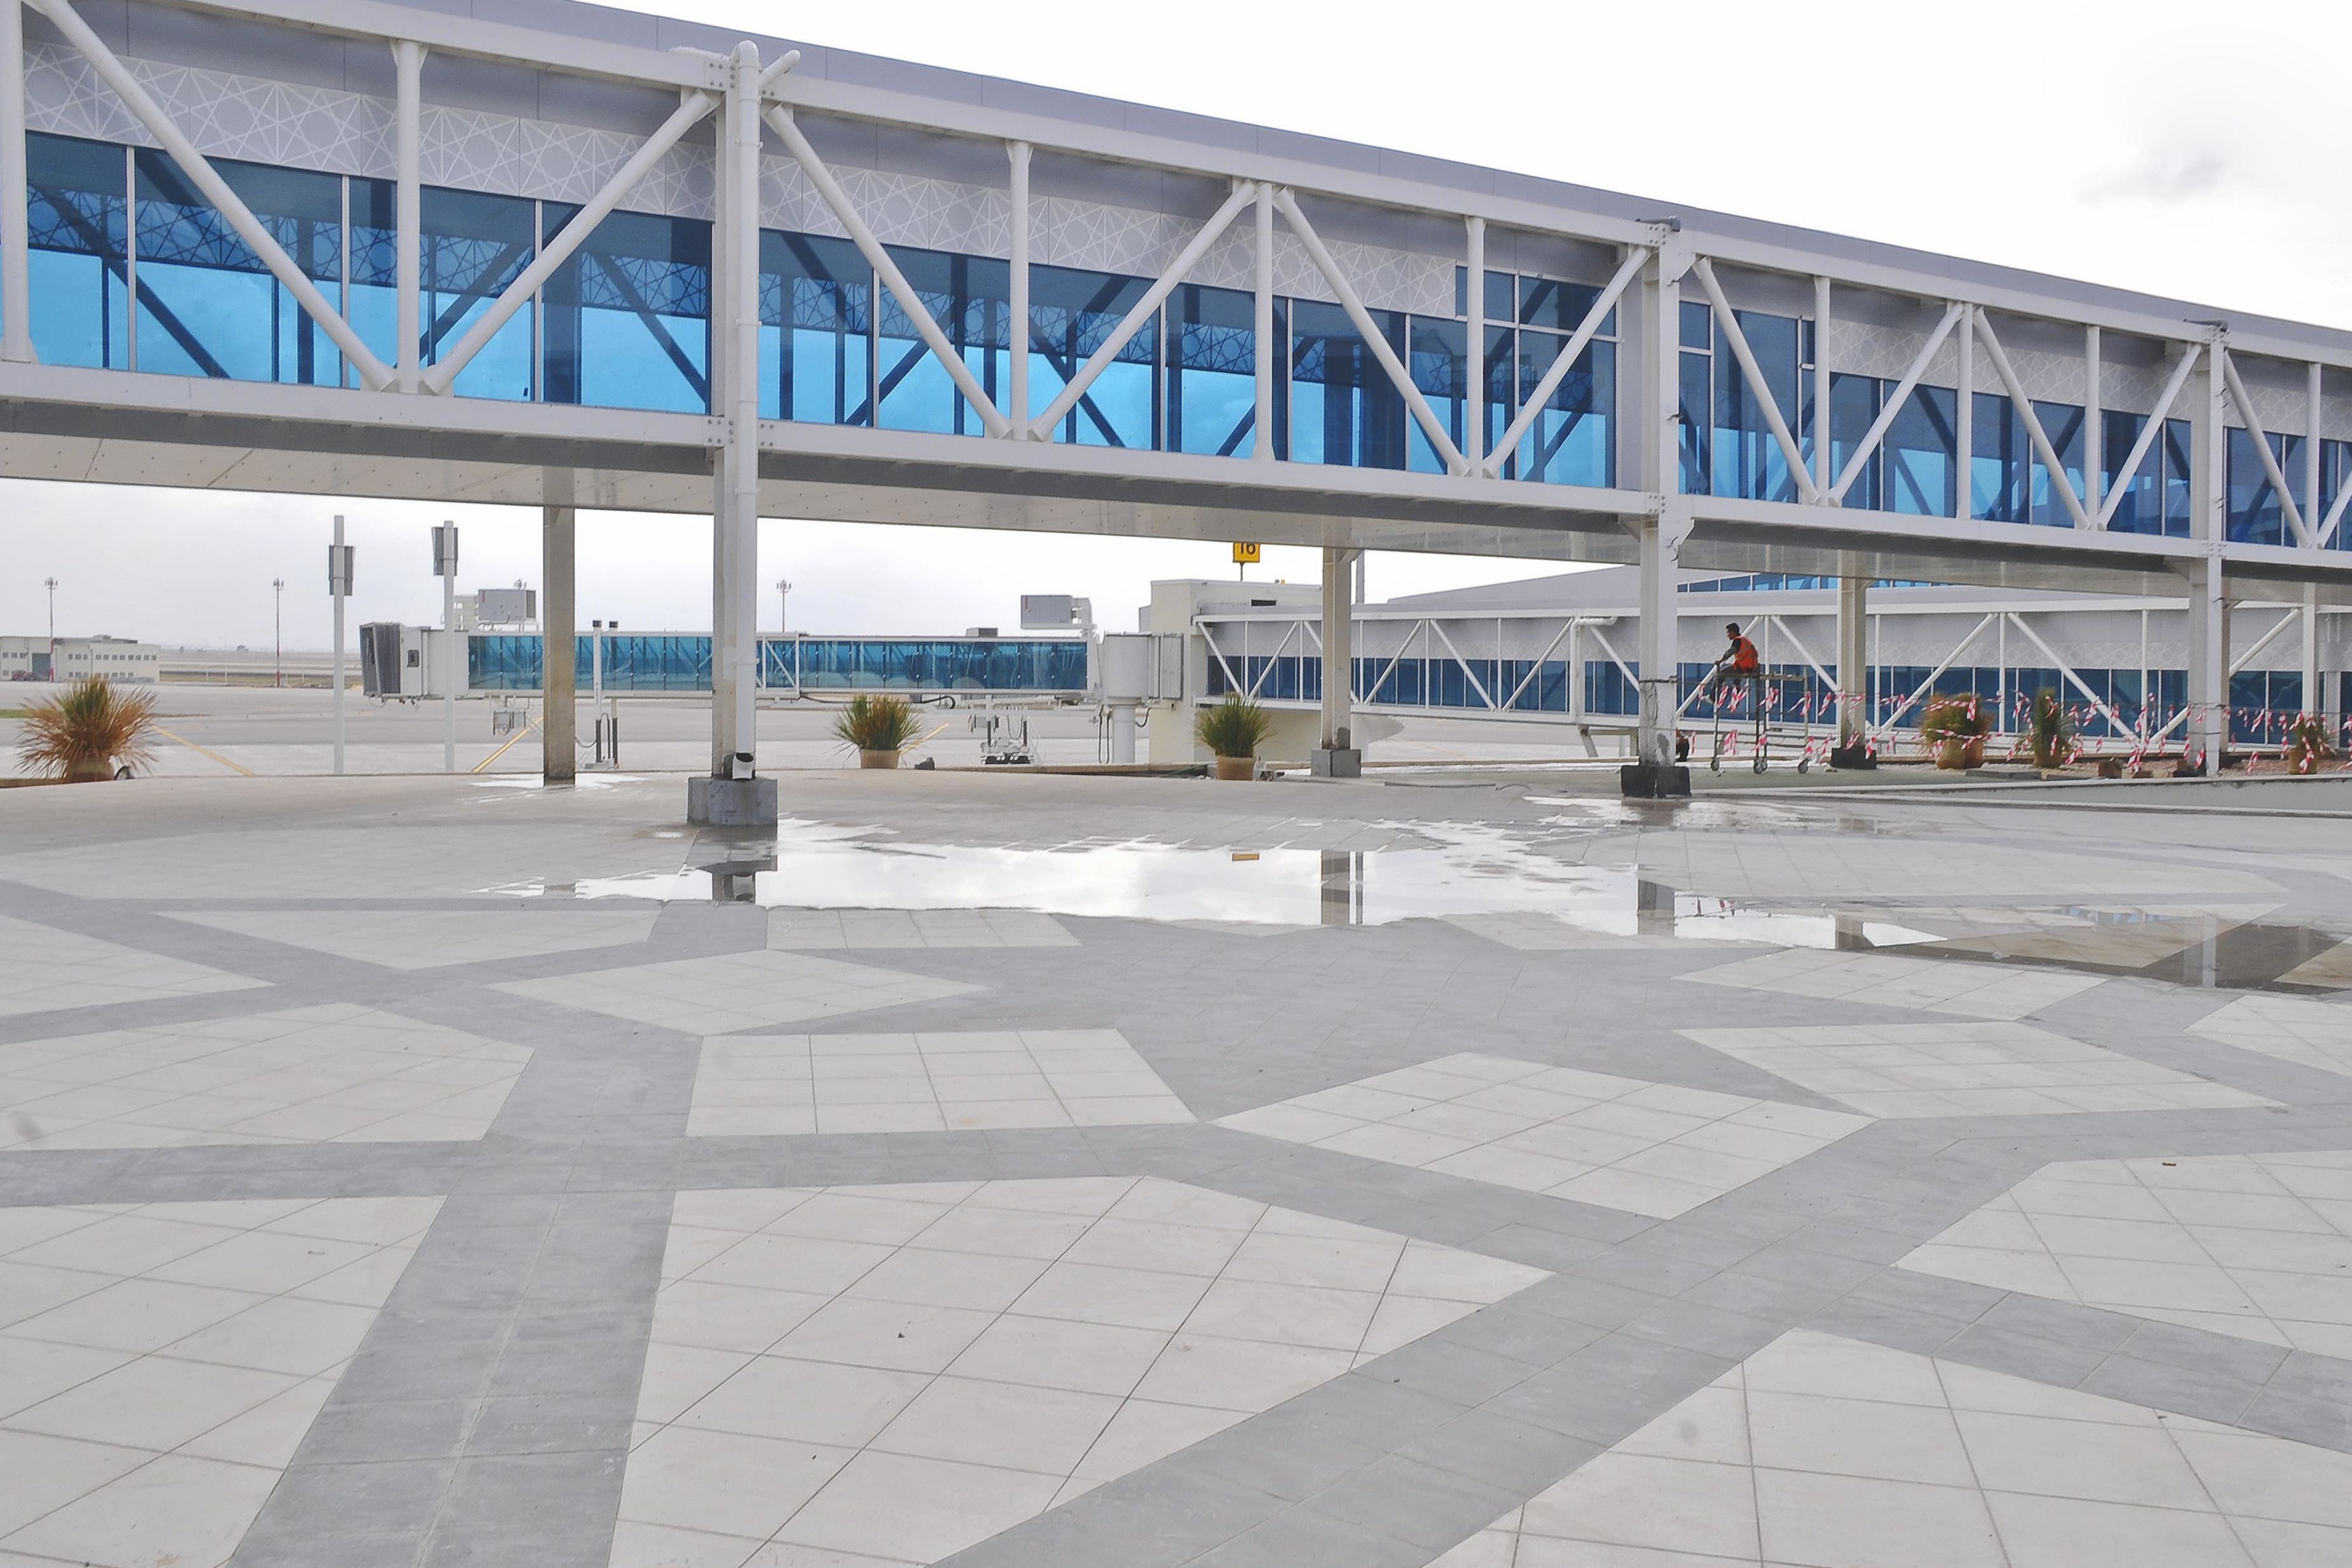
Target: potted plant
{"points": [[88, 732], [880, 727], [1954, 727], [1232, 730], [2308, 743], [2049, 730]]}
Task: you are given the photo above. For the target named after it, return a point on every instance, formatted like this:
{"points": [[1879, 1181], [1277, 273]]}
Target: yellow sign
{"points": [[1245, 554]]}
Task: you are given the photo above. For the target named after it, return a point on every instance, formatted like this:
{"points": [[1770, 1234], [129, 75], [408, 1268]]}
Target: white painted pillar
{"points": [[1964, 416], [1473, 372], [1824, 475], [734, 652], [2095, 466], [1261, 440], [1016, 395], [408, 209], [445, 566], [2206, 736], [1853, 656], [1339, 655], [558, 678], [339, 587], [2313, 677], [1660, 644], [15, 307]]}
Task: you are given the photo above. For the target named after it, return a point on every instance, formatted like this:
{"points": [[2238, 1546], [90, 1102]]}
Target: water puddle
{"points": [[1467, 872], [2197, 950]]}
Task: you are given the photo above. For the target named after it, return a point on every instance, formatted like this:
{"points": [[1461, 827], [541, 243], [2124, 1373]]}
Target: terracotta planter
{"points": [[1237, 768], [888, 759], [1956, 752]]}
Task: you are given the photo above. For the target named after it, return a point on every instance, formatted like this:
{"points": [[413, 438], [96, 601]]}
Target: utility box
{"points": [[506, 606], [392, 660], [1136, 666]]}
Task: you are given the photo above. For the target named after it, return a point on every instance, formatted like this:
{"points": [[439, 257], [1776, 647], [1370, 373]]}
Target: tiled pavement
{"points": [[582, 1322]]}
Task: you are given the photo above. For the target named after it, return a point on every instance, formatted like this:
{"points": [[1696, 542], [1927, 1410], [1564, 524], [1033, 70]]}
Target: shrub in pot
{"points": [[1232, 730], [2308, 743], [880, 727], [2049, 730], [1954, 729], [89, 731]]}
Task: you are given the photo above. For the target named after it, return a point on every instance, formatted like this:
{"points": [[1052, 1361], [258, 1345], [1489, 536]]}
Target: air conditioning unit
{"points": [[1137, 667]]}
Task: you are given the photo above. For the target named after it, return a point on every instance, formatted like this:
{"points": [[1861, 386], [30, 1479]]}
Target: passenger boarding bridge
{"points": [[578, 257]]}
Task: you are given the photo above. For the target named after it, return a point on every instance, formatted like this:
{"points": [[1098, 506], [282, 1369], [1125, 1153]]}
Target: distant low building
{"points": [[117, 658]]}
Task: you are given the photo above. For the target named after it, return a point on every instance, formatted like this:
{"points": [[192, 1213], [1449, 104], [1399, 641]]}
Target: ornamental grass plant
{"points": [[1235, 727], [2049, 730], [875, 722], [88, 732]]}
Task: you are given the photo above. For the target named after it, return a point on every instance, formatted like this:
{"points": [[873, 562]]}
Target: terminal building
{"points": [[568, 255], [117, 658]]}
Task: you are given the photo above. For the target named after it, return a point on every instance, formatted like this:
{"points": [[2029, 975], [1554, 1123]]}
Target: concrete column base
{"points": [[1856, 755], [1654, 780], [1337, 762], [730, 803]]}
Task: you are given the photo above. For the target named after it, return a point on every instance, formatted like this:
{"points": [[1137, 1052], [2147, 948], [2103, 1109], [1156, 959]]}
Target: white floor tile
{"points": [[943, 1361], [429, 939], [1900, 1070], [721, 994], [1866, 1458], [2224, 1242], [42, 968], [1618, 1142], [782, 1084], [1888, 979], [144, 1421], [334, 1073]]}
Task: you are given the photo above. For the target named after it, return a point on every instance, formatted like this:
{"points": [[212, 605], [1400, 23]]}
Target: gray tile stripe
{"points": [[486, 1416]]}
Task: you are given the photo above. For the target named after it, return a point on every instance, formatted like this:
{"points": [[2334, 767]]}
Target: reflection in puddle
{"points": [[1469, 872], [2204, 951]]}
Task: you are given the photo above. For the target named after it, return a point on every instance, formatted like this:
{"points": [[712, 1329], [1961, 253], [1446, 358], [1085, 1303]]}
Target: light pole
{"points": [[51, 583], [278, 583], [339, 588], [445, 566], [783, 606]]}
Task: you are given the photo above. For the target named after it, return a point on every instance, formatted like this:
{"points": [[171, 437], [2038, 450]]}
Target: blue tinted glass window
{"points": [[1502, 291], [1569, 442], [1501, 402], [1560, 307], [1698, 325], [1997, 466], [1748, 459], [1072, 313], [1438, 365], [77, 196], [1343, 407], [816, 320], [969, 297], [2255, 515], [1921, 469], [1694, 411], [207, 306], [475, 246], [1212, 371], [2063, 424], [1854, 407], [628, 317]]}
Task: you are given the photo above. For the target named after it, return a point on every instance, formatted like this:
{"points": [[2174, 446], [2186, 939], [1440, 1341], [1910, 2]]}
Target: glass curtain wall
{"points": [[816, 330], [78, 196], [1072, 313], [627, 317], [1212, 371]]}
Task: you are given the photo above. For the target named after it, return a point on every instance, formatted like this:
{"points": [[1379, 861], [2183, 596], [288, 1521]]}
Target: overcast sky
{"points": [[2175, 148]]}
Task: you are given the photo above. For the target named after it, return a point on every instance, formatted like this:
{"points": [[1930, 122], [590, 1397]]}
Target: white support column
{"points": [[408, 209], [1016, 395], [1964, 426], [2312, 675], [339, 588], [16, 308], [732, 795], [1822, 472], [559, 675], [1337, 756], [2313, 429], [2094, 481], [1473, 373], [1262, 437], [1853, 654], [1659, 654], [2207, 736]]}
